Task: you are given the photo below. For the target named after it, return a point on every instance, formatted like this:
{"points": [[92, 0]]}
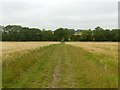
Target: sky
{"points": [[52, 14]]}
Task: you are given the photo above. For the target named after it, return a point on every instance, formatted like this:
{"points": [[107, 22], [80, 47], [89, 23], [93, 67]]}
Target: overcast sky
{"points": [[52, 14]]}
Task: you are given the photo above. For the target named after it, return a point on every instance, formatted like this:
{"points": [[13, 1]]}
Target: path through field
{"points": [[57, 66]]}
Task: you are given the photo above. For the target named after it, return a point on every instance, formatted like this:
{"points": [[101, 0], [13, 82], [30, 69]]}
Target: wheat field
{"points": [[9, 47], [60, 65], [110, 49]]}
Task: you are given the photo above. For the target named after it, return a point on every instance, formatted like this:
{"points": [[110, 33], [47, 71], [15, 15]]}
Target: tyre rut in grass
{"points": [[20, 70]]}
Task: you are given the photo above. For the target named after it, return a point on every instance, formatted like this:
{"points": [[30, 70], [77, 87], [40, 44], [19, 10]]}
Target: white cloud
{"points": [[51, 14]]}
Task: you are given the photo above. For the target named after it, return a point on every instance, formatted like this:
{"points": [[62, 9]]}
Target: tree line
{"points": [[19, 33]]}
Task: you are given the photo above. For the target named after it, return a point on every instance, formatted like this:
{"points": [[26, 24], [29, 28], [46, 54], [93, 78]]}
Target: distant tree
{"points": [[118, 34], [114, 35], [76, 38], [59, 34], [19, 33], [87, 35], [63, 34], [11, 32], [98, 34], [107, 35], [47, 35]]}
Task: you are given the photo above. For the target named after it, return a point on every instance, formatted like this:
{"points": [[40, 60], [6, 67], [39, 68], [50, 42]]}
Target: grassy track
{"points": [[59, 65]]}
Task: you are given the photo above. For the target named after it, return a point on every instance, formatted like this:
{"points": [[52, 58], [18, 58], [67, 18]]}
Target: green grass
{"points": [[59, 66]]}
